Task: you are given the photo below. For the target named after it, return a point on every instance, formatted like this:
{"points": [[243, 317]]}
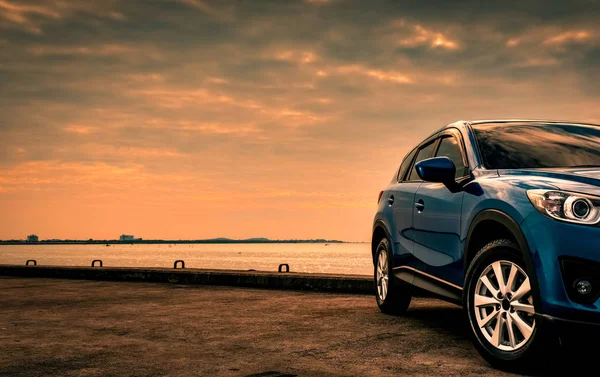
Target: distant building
{"points": [[32, 238], [126, 237]]}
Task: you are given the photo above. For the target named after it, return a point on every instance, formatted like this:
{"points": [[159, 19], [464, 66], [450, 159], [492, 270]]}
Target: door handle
{"points": [[420, 205], [391, 200]]}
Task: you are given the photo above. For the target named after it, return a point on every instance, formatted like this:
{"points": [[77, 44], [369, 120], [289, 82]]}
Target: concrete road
{"points": [[89, 328]]}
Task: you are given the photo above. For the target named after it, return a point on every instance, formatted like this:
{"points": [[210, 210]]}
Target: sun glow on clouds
{"points": [[299, 57], [79, 129], [32, 16], [355, 69], [18, 15], [552, 37], [568, 36], [426, 37], [284, 119]]}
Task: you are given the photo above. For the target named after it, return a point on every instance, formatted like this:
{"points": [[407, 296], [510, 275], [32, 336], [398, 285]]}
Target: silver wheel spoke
{"points": [[489, 286], [497, 334], [486, 321], [382, 276], [511, 279], [520, 307], [524, 289], [523, 327], [499, 277], [511, 332], [485, 300]]}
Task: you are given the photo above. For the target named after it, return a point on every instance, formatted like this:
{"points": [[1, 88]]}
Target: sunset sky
{"points": [[280, 119]]}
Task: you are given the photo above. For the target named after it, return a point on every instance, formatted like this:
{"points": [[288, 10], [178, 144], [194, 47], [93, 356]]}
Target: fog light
{"points": [[583, 287]]}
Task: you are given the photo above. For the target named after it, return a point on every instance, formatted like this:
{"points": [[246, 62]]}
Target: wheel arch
{"points": [[380, 232], [491, 224]]}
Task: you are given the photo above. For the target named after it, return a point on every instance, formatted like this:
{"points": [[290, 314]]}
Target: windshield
{"points": [[537, 145]]}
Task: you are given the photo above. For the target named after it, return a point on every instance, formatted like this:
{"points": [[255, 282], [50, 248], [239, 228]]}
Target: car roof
{"points": [[533, 121], [465, 123]]}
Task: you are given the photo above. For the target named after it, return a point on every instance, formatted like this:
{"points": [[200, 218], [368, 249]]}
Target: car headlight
{"points": [[566, 206]]}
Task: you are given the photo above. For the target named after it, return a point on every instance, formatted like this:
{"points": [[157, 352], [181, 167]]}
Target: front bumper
{"points": [[570, 331], [561, 322], [551, 241]]}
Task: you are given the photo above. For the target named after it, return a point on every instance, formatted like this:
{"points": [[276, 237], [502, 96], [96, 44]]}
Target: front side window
{"points": [[424, 153], [449, 147], [405, 165], [537, 145]]}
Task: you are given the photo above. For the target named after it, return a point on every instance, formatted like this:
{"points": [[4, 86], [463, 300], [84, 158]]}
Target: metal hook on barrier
{"points": [[179, 261], [94, 262], [31, 260], [287, 267]]}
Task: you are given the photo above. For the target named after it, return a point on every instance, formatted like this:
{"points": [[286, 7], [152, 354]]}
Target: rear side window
{"points": [[405, 165], [424, 153], [450, 148]]}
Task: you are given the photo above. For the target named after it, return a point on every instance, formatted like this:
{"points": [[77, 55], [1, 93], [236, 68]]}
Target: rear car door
{"points": [[437, 216]]}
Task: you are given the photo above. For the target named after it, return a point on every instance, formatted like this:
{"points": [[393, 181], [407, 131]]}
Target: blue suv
{"points": [[503, 218]]}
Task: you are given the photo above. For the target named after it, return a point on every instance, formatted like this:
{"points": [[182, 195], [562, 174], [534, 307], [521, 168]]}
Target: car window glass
{"points": [[538, 145], [405, 165], [450, 148], [424, 153]]}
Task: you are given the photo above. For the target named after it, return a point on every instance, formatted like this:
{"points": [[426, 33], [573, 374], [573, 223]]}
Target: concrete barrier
{"points": [[356, 284]]}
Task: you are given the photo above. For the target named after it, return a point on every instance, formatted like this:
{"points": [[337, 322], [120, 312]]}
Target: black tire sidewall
{"points": [[488, 255]]}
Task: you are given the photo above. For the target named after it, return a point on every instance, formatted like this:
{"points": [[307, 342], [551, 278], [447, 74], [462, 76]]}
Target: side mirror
{"points": [[437, 169]]}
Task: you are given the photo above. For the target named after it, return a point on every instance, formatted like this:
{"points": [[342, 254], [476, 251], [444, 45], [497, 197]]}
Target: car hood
{"points": [[584, 180]]}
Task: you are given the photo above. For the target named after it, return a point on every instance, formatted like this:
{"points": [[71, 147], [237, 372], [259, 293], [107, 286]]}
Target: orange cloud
{"points": [[102, 50], [427, 37], [218, 13], [568, 37], [302, 57], [18, 15], [551, 36], [513, 42], [380, 75], [79, 129], [32, 18]]}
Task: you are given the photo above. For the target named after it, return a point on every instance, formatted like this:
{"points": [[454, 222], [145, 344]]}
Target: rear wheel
{"points": [[500, 306], [392, 296]]}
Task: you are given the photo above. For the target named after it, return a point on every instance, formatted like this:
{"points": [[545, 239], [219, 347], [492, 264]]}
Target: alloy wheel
{"points": [[382, 275], [504, 306]]}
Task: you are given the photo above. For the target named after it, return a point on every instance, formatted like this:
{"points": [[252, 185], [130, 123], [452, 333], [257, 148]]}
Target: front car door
{"points": [[401, 200], [437, 216]]}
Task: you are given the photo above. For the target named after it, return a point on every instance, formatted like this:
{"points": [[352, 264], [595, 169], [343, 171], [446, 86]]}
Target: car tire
{"points": [[393, 297], [504, 328]]}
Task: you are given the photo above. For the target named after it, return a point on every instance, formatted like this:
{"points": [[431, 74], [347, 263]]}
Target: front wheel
{"points": [[392, 296], [500, 307]]}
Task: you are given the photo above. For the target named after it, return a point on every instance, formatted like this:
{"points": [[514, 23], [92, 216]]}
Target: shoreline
{"points": [[173, 242]]}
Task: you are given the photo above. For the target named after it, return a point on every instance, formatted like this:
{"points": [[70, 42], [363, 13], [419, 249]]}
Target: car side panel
{"points": [[397, 216], [438, 229], [488, 191], [404, 197]]}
